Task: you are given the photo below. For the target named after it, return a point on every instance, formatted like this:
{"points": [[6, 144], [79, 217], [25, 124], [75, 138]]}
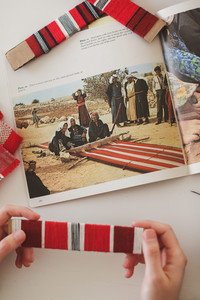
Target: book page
{"points": [[91, 110], [181, 47]]}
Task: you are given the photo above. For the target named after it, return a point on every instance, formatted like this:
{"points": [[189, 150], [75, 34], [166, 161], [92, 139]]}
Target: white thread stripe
{"points": [[137, 244], [82, 236], [62, 28], [151, 159], [111, 238], [156, 148], [101, 4], [126, 161], [16, 224], [43, 235], [69, 236], [72, 20]]}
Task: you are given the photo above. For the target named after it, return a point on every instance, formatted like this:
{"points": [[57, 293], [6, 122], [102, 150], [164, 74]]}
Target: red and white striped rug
{"points": [[137, 157]]}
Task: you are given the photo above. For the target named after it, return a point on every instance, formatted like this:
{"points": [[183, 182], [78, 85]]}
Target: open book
{"points": [[108, 111]]}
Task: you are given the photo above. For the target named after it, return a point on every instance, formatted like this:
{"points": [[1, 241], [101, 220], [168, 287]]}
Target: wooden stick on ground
{"points": [[77, 162]]}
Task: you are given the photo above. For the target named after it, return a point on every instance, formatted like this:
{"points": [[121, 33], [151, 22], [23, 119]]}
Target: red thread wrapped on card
{"points": [[79, 236], [9, 139], [7, 162]]}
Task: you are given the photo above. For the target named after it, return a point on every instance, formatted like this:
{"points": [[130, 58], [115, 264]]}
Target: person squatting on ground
{"points": [[77, 133], [36, 187], [60, 139], [163, 257], [97, 129]]}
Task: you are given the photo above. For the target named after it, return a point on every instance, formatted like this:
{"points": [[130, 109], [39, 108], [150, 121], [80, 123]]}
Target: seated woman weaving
{"points": [[60, 139], [77, 133], [97, 129]]}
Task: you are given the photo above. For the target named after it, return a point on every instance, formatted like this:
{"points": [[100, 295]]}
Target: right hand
{"points": [[164, 259]]}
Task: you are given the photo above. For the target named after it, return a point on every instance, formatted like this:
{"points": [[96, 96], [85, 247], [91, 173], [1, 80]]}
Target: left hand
{"points": [[9, 243]]}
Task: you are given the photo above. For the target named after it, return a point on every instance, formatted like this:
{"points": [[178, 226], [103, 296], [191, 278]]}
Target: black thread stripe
{"points": [[67, 24], [51, 35], [75, 236], [139, 21], [133, 16], [98, 11], [47, 44], [90, 9], [101, 3], [82, 15]]}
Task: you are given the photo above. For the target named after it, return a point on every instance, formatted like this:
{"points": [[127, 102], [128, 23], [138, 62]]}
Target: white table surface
{"points": [[64, 275]]}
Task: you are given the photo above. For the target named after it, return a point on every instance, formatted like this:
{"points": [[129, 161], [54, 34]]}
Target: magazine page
{"points": [[181, 47], [91, 115]]}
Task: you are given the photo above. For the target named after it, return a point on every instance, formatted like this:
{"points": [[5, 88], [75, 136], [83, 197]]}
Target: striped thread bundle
{"points": [[7, 162], [9, 142], [79, 236], [126, 12], [53, 34], [132, 16], [9, 139]]}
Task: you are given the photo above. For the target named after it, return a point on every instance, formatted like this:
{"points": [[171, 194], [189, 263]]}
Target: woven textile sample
{"points": [[79, 236]]}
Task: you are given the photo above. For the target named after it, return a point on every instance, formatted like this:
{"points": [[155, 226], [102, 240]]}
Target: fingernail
{"points": [[19, 235], [149, 234]]}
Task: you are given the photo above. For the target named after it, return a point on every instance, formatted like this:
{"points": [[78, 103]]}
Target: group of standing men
{"points": [[137, 107]]}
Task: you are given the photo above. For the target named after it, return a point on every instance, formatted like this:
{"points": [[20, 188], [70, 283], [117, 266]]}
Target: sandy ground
{"points": [[55, 174]]}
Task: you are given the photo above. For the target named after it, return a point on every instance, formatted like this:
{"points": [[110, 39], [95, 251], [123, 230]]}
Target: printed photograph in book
{"points": [[99, 129], [181, 47]]}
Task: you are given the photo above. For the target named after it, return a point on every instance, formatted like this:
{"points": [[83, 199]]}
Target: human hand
{"points": [[164, 259], [190, 130], [9, 243]]}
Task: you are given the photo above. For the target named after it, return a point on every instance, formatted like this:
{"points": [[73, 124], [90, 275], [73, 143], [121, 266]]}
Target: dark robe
{"points": [[115, 99], [59, 138], [141, 101], [76, 135], [35, 186], [84, 117], [100, 131]]}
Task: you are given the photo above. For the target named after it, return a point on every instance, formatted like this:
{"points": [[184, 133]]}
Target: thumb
{"points": [[151, 252], [11, 242]]}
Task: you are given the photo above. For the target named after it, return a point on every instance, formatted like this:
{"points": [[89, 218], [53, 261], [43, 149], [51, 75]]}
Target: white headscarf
{"points": [[69, 121], [112, 77], [59, 128]]}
